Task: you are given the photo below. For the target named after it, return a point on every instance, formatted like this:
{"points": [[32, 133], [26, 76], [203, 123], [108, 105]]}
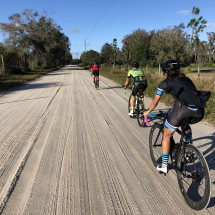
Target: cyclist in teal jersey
{"points": [[139, 83]]}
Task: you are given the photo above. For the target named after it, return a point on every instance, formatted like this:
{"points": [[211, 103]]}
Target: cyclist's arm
{"points": [[127, 82], [154, 103], [91, 70], [160, 90]]}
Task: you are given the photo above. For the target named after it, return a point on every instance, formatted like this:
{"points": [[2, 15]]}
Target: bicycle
{"points": [[139, 107], [95, 81], [190, 165]]}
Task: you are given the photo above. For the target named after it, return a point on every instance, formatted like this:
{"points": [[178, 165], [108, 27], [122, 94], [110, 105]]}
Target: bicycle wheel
{"points": [[129, 104], [155, 143], [140, 110], [194, 178], [95, 82]]}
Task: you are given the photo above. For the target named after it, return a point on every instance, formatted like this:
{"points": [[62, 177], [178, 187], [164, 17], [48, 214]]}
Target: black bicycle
{"points": [[190, 165], [139, 107]]}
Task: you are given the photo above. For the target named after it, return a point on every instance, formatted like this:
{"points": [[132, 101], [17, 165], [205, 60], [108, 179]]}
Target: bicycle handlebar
{"points": [[125, 90], [153, 114]]}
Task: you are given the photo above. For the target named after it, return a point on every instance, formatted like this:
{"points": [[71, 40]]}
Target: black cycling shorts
{"points": [[135, 89], [96, 72], [179, 113]]}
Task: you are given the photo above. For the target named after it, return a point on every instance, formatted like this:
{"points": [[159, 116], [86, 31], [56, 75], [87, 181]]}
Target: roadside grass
{"points": [[8, 81], [206, 82]]}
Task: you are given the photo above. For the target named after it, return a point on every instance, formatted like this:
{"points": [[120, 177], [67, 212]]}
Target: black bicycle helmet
{"points": [[170, 65], [135, 64]]}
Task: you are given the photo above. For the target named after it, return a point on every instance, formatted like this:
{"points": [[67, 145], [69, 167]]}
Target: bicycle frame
{"points": [[189, 163], [182, 144]]}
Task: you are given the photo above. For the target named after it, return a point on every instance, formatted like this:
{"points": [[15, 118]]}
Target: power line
{"points": [[112, 19], [100, 17]]}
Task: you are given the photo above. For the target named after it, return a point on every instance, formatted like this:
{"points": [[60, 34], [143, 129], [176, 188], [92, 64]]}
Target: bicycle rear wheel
{"points": [[155, 143], [140, 110], [194, 178]]}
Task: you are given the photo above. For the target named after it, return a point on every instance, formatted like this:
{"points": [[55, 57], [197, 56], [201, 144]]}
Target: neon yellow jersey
{"points": [[137, 75]]}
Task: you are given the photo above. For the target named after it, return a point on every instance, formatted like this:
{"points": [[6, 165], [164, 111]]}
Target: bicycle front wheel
{"points": [[155, 143], [193, 177], [129, 104], [140, 110]]}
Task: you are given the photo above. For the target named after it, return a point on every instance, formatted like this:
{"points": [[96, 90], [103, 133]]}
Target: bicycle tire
{"points": [[140, 110], [196, 190], [95, 82], [155, 148]]}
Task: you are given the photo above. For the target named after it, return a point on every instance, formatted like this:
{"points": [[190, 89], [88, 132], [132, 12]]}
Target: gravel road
{"points": [[67, 148]]}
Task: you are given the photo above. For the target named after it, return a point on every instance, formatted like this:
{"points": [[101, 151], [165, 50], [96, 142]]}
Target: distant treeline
{"points": [[154, 47]]}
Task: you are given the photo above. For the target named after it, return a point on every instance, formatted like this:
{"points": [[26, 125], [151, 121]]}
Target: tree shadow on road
{"points": [[72, 68], [37, 86], [210, 152], [109, 88]]}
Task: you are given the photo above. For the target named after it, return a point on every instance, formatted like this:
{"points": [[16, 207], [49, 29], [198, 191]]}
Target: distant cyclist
{"points": [[139, 82], [95, 72], [188, 103]]}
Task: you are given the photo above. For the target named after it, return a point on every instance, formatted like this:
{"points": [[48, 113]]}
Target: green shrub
{"points": [[208, 64]]}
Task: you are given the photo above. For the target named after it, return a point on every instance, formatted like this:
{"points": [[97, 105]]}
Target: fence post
{"points": [[198, 70], [2, 67]]}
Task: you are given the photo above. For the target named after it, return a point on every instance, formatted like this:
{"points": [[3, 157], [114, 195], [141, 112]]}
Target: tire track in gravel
{"points": [[95, 159], [150, 167], [10, 173], [109, 123]]}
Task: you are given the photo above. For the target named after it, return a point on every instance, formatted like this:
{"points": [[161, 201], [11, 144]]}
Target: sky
{"points": [[100, 21]]}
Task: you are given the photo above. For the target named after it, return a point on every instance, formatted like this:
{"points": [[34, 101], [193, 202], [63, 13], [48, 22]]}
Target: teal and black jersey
{"points": [[137, 76]]}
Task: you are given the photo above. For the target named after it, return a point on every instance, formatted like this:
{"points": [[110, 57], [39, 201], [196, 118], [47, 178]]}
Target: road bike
{"points": [[139, 107], [95, 80], [190, 165]]}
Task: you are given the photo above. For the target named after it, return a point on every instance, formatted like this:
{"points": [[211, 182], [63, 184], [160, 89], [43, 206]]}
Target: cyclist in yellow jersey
{"points": [[139, 82]]}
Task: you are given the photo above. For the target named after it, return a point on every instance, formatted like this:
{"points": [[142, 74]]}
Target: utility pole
{"points": [[85, 44]]}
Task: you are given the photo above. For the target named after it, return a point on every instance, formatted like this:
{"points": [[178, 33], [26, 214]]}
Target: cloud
{"points": [[212, 25], [184, 12], [74, 30]]}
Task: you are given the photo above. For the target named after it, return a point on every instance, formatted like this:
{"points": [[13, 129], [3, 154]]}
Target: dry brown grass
{"points": [[205, 82]]}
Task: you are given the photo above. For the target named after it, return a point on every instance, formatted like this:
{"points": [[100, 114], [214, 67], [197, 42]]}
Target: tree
{"points": [[197, 26], [129, 42], [115, 50], [90, 56], [37, 39], [141, 51], [106, 53], [211, 44], [170, 43]]}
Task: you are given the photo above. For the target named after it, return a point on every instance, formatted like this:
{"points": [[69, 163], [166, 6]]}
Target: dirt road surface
{"points": [[67, 148]]}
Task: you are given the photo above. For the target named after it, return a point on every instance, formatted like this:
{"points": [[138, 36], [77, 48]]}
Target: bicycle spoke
{"points": [[194, 181], [155, 144]]}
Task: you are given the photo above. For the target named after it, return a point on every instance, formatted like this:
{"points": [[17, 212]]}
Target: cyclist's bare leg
{"points": [[166, 140], [165, 150], [132, 101]]}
